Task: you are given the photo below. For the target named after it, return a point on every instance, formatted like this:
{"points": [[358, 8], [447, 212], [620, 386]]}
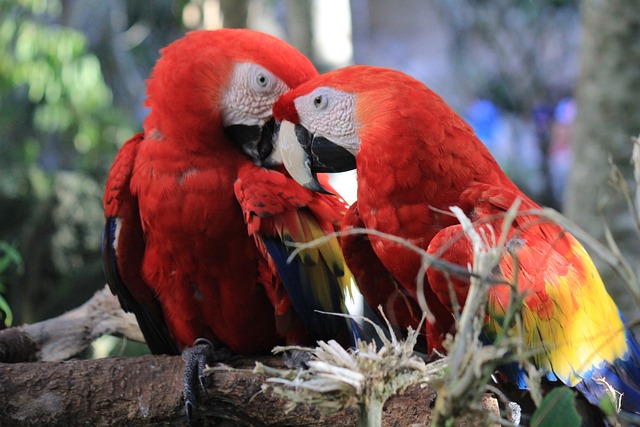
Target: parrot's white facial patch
{"points": [[330, 113], [250, 95]]}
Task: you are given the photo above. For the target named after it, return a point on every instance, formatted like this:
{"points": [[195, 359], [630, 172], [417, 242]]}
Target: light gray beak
{"points": [[296, 159]]}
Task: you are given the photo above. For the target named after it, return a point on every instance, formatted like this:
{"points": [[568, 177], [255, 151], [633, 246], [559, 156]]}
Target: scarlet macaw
{"points": [[415, 158], [197, 232]]}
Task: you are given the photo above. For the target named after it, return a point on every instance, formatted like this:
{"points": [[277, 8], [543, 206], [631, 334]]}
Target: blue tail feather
{"points": [[622, 375]]}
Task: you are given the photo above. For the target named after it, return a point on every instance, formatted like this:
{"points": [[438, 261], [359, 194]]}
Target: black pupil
{"points": [[318, 100], [262, 79]]}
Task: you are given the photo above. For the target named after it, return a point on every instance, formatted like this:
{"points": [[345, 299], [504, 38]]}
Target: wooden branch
{"points": [[147, 390], [65, 336]]}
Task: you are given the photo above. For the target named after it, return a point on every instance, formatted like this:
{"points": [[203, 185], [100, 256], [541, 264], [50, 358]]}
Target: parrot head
{"points": [[322, 121], [328, 121], [223, 81]]}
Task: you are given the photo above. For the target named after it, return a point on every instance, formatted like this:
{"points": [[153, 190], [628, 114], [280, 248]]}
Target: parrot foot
{"points": [[196, 358], [296, 359]]}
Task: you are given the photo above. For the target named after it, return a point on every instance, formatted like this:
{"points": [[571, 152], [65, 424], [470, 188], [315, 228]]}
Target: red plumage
{"points": [[183, 242], [415, 159]]}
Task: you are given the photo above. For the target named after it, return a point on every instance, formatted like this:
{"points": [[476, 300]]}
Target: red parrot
{"points": [[415, 158], [197, 231]]}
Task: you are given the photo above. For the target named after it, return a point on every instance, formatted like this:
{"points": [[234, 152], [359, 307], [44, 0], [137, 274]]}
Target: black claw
{"points": [[188, 406], [196, 359], [205, 381]]}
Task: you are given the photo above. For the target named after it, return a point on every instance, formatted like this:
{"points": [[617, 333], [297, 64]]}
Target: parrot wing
{"points": [[378, 286], [569, 319], [122, 261], [280, 215]]}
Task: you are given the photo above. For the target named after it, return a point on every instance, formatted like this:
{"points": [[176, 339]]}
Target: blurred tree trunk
{"points": [[608, 117], [234, 13], [300, 27]]}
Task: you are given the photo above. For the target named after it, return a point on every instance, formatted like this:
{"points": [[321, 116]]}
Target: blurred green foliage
{"points": [[557, 409], [56, 114], [49, 82], [8, 256], [71, 88]]}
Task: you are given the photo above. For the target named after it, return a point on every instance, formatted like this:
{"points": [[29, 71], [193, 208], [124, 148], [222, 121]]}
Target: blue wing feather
{"points": [[297, 281], [149, 313]]}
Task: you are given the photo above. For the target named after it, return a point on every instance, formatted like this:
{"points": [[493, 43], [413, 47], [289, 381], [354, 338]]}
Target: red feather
{"points": [[416, 158], [180, 244]]}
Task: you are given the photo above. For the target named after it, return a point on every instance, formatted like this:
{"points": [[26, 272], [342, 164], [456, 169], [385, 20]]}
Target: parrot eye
{"points": [[262, 80], [320, 102]]}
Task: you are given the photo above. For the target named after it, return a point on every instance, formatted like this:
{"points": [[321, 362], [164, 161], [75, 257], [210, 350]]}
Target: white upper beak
{"points": [[293, 156]]}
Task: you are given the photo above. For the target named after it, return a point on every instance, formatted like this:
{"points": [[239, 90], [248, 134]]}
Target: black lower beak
{"points": [[256, 141], [324, 155]]}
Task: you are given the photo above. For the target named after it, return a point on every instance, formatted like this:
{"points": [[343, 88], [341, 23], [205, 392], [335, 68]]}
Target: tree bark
{"points": [[147, 390], [608, 117], [67, 335]]}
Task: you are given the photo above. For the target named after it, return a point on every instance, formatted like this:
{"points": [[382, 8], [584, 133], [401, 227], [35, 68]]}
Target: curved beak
{"points": [[305, 155], [255, 140]]}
